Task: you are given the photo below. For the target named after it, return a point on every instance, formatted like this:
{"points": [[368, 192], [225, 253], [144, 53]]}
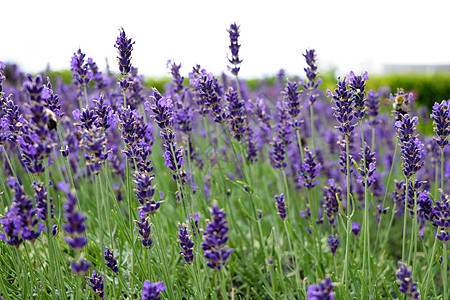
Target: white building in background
{"points": [[394, 68]]}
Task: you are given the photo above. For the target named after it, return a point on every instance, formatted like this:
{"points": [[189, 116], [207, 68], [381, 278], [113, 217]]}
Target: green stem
{"points": [[313, 128], [444, 271], [347, 244], [366, 251], [386, 192], [404, 221], [299, 141]]}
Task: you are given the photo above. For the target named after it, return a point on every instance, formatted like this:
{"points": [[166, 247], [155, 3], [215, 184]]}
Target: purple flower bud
{"points": [[151, 291], [110, 261], [355, 228], [321, 291], [185, 243], [96, 283]]}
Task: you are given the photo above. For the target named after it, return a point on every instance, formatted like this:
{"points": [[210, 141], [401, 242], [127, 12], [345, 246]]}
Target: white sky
{"points": [[350, 35]]}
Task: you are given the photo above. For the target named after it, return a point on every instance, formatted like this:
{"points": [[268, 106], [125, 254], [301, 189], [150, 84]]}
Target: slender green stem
{"points": [[428, 278], [386, 193], [404, 221], [366, 248], [347, 244], [442, 169], [86, 96], [313, 128], [444, 271], [299, 141]]}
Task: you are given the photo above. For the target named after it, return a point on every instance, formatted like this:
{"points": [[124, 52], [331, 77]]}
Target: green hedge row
{"points": [[428, 88]]}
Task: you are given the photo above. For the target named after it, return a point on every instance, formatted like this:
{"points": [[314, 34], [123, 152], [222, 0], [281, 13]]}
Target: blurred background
{"points": [[400, 43]]}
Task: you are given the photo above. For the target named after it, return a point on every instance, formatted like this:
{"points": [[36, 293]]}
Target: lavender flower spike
{"points": [[151, 290], [357, 85], [405, 281], [124, 46], [96, 283], [234, 48], [441, 121], [110, 260], [321, 291], [412, 149], [309, 170], [281, 206], [344, 107], [215, 239], [185, 243]]}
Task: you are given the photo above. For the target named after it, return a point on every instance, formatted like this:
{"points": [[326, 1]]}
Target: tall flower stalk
{"points": [[357, 86], [310, 87], [411, 149], [343, 112]]}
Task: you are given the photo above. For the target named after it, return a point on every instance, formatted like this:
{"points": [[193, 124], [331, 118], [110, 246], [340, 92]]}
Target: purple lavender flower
{"points": [[331, 205], [111, 262], [144, 228], [441, 122], [309, 170], [441, 217], [79, 67], [357, 85], [344, 109], [311, 73], [292, 99], [145, 191], [209, 93], [185, 243], [75, 226], [278, 155], [40, 196], [236, 114], [21, 221], [80, 268], [321, 291], [356, 228], [372, 107], [367, 166], [124, 46], [405, 281], [234, 48], [333, 242], [411, 148], [96, 283], [151, 291], [281, 206], [215, 238], [194, 219], [252, 151]]}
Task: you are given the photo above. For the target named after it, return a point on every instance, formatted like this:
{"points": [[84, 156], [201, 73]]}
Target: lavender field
{"points": [[211, 190]]}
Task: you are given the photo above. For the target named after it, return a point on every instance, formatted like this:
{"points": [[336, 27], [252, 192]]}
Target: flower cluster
{"points": [[151, 290], [292, 99], [281, 206], [144, 228], [215, 238], [21, 221], [309, 170], [124, 46], [311, 73], [321, 291], [372, 107], [236, 114], [333, 242], [411, 147], [344, 109], [111, 262], [80, 69], [330, 203], [96, 283], [234, 48], [209, 93], [405, 281], [185, 243], [357, 85], [441, 121], [367, 168], [441, 218]]}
